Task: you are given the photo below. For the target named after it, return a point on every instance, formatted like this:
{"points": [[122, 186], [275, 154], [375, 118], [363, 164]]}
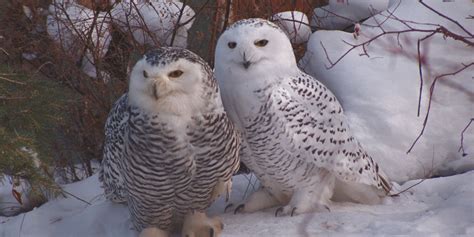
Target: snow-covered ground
{"points": [[441, 206], [380, 93]]}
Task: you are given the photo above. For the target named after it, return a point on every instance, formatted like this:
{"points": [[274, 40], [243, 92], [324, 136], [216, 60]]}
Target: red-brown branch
{"points": [[432, 87], [446, 17], [461, 148]]}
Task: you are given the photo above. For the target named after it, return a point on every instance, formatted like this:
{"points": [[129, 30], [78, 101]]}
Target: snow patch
{"points": [[436, 206], [295, 24], [380, 93]]}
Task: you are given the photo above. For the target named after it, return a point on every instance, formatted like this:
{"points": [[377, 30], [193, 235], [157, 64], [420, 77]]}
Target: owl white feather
{"points": [[170, 149], [295, 136]]}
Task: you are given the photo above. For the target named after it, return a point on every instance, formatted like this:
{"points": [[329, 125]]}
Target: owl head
{"points": [[170, 79], [253, 48]]}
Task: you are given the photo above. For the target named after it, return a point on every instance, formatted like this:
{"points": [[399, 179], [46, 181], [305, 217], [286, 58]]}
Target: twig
{"points": [[446, 17], [461, 148], [424, 174], [430, 100], [4, 51], [175, 30], [404, 190], [12, 81], [292, 20], [21, 225], [78, 198], [438, 30], [420, 69], [42, 65], [420, 65], [195, 15], [142, 21], [13, 98], [227, 14]]}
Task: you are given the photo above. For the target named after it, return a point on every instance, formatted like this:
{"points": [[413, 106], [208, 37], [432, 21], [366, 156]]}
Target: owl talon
{"points": [[198, 224], [239, 207], [153, 232], [283, 211], [228, 206], [278, 210], [293, 211]]}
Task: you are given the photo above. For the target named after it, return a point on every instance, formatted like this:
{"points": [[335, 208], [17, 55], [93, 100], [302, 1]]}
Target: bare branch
{"points": [[406, 189], [461, 148], [13, 98], [21, 225], [175, 30], [12, 81], [431, 97], [227, 14], [446, 17], [421, 61], [76, 197]]}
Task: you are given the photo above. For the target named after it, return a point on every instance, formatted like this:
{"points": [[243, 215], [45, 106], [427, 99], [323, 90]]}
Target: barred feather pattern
{"points": [[109, 173], [167, 173], [298, 131]]}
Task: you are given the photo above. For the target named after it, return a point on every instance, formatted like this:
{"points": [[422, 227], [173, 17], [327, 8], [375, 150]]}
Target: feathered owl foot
{"points": [[259, 200], [222, 187], [238, 209], [294, 210], [197, 224], [153, 232]]}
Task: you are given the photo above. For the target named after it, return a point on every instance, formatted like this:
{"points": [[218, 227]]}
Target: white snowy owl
{"points": [[170, 148], [295, 136]]}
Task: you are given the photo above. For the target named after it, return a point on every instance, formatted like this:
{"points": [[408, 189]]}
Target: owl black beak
{"points": [[246, 63], [155, 92]]}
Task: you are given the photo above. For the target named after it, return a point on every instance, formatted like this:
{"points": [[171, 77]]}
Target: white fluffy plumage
{"points": [[295, 135]]}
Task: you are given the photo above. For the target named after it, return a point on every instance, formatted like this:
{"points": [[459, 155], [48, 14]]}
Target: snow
{"points": [[69, 23], [295, 24], [380, 93], [440, 206], [153, 23], [340, 14]]}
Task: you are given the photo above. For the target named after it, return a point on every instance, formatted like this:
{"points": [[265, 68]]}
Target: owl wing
{"points": [[217, 144], [109, 173], [318, 131]]}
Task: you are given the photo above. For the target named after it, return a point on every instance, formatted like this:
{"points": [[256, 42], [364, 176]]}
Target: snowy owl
{"points": [[295, 136], [170, 148]]}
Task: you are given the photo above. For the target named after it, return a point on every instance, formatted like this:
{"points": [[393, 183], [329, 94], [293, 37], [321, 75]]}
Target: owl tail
{"points": [[359, 192], [384, 181]]}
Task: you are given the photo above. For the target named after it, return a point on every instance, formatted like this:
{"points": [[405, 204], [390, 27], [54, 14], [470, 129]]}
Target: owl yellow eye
{"points": [[176, 73], [231, 45], [261, 43]]}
